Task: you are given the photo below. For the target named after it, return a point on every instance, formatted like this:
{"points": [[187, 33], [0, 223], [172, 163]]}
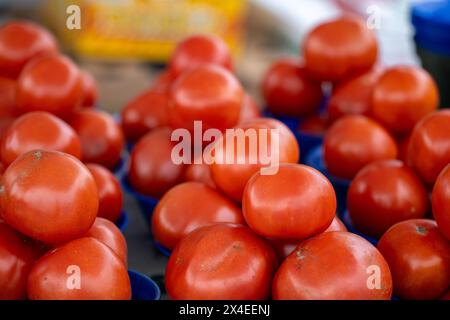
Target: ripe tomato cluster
{"points": [[58, 200]]}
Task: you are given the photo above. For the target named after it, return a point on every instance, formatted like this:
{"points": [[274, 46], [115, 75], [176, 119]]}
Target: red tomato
{"points": [[231, 178], [284, 247], [169, 226], [21, 41], [49, 196], [163, 82], [210, 94], [51, 83], [384, 193], [288, 90], [107, 233], [249, 110], [295, 203], [199, 172], [38, 130], [353, 142], [153, 173], [197, 50], [403, 143], [90, 89], [419, 259], [429, 147], [403, 96], [354, 96], [17, 256], [110, 198], [440, 201], [221, 261], [7, 97], [446, 296], [102, 275], [333, 266], [102, 140], [316, 124], [143, 114], [338, 49]]}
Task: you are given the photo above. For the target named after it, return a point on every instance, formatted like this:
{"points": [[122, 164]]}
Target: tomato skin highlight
{"points": [[69, 190], [38, 130], [103, 276], [418, 257], [384, 193], [282, 206], [429, 146], [440, 200], [353, 142], [229, 263], [332, 266]]}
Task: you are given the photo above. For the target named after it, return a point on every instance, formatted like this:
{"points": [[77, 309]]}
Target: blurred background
{"points": [[124, 43]]}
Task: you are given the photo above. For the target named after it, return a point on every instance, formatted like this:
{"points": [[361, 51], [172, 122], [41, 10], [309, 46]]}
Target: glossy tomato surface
{"points": [[152, 171], [353, 142], [288, 91], [50, 83], [90, 90], [38, 130], [232, 176], [179, 212], [402, 96], [429, 146], [17, 256], [144, 113], [210, 94], [49, 196], [384, 193], [333, 266], [419, 258], [338, 49], [200, 173], [110, 197], [102, 140], [82, 269], [20, 42], [198, 50], [295, 203], [440, 201], [222, 261]]}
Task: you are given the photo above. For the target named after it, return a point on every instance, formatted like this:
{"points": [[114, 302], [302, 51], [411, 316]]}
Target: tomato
{"points": [[429, 146], [199, 172], [102, 275], [284, 247], [249, 110], [110, 198], [198, 50], [107, 233], [38, 130], [353, 142], [90, 89], [153, 173], [419, 259], [288, 91], [440, 201], [222, 261], [163, 82], [316, 124], [51, 83], [446, 296], [210, 94], [384, 193], [295, 203], [354, 96], [20, 42], [17, 256], [402, 96], [403, 143], [333, 266], [7, 97], [143, 114], [102, 140], [49, 196], [338, 49], [231, 178], [169, 226]]}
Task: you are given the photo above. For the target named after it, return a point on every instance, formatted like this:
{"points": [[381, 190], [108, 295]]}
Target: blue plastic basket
{"points": [[143, 287], [161, 249], [122, 222]]}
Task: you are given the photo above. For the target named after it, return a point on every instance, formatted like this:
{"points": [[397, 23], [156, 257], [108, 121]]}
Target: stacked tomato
{"points": [[58, 239]]}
